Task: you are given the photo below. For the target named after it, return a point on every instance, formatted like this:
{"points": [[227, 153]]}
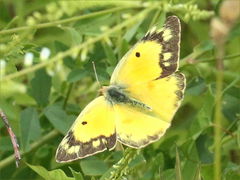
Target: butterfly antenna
{"points": [[95, 72]]}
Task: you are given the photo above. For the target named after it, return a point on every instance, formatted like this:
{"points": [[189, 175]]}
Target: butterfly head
{"points": [[102, 90]]}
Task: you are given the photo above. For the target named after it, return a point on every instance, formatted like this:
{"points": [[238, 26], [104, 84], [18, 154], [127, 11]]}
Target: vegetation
{"points": [[47, 78]]}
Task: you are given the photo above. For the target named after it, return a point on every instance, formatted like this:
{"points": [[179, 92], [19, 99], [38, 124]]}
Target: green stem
{"points": [[154, 19], [217, 130], [35, 145], [232, 56], [69, 52], [13, 21], [218, 111], [178, 166], [67, 20], [185, 61], [122, 167], [68, 94]]}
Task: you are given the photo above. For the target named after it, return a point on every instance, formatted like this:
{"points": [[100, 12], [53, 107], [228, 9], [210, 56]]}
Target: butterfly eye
{"points": [[84, 123], [137, 54]]}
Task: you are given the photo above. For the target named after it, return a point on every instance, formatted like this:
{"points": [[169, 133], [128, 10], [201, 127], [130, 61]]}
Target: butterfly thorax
{"points": [[115, 94]]}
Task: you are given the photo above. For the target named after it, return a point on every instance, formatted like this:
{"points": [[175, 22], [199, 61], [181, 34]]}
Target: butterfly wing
{"points": [[162, 95], [137, 128], [154, 56], [92, 132], [148, 74]]}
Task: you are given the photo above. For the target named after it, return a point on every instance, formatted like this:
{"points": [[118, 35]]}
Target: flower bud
{"points": [[45, 53], [230, 11], [28, 59], [219, 30]]}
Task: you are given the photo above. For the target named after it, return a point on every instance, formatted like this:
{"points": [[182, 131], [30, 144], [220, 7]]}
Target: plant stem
{"points": [[60, 56], [232, 56], [185, 61], [63, 21], [67, 96], [218, 111], [12, 136], [33, 146], [122, 167]]}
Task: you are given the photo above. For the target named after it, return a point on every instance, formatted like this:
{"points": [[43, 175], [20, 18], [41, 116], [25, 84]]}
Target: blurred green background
{"points": [[47, 78]]}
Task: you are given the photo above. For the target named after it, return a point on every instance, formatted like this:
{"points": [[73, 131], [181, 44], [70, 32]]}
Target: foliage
{"points": [[46, 54]]}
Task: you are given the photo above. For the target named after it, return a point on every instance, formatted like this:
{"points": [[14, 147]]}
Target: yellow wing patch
{"points": [[137, 128], [155, 56], [162, 95], [92, 132], [148, 62]]}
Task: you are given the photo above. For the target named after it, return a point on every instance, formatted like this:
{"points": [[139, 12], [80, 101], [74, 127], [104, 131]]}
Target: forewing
{"points": [[155, 56], [92, 132]]}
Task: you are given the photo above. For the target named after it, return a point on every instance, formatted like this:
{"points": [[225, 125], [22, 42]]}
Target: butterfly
{"points": [[137, 107]]}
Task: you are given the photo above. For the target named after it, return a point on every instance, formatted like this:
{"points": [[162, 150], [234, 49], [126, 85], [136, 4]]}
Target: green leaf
{"points": [[204, 117], [58, 118], [56, 174], [76, 75], [68, 61], [169, 174], [77, 175], [40, 87], [93, 26], [238, 134], [198, 50], [123, 48], [5, 144], [30, 127], [231, 105], [93, 167], [196, 87], [197, 174], [207, 172], [74, 35], [232, 171], [111, 58], [178, 166], [203, 47], [138, 160], [189, 149], [131, 32], [202, 144]]}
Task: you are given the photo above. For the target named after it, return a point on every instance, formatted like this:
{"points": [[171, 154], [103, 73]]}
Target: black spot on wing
{"points": [[84, 122], [137, 54]]}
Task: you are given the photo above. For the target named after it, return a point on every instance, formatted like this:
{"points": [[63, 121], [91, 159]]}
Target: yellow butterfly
{"points": [[137, 108]]}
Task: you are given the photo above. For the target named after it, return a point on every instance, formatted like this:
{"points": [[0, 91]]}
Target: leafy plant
{"points": [[47, 78]]}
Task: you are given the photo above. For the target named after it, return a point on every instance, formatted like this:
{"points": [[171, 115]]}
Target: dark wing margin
{"points": [[181, 83], [169, 38], [71, 149]]}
